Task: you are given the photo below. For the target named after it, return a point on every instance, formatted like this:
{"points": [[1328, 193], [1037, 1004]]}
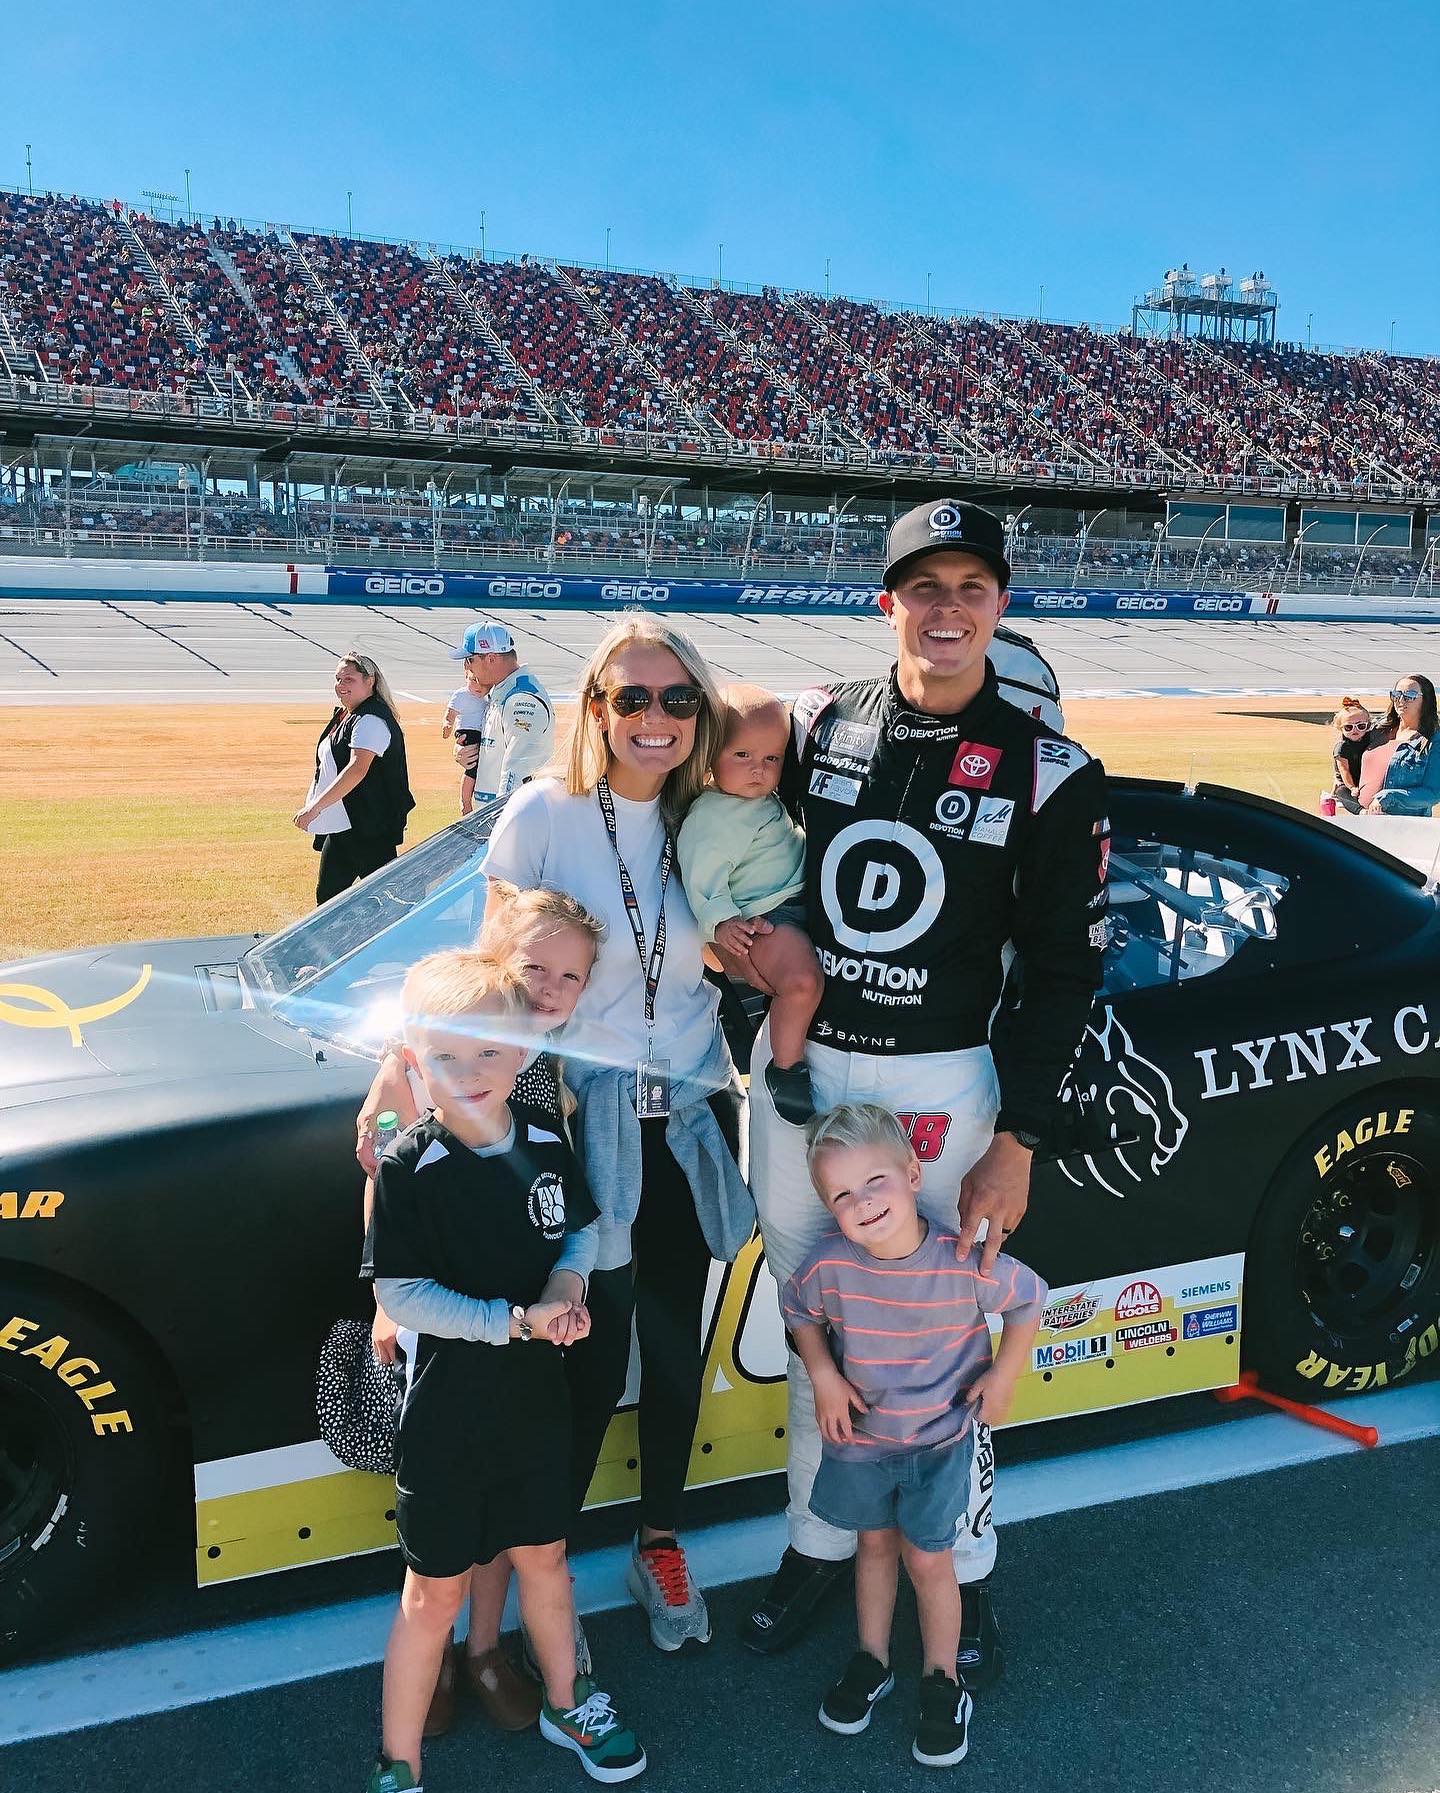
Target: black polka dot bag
{"points": [[358, 1399]]}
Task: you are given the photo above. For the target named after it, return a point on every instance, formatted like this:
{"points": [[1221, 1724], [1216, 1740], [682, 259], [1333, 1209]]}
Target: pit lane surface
{"points": [[1272, 1633], [83, 651]]}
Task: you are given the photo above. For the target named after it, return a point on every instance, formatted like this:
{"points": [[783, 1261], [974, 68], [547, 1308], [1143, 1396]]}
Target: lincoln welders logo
{"points": [[31, 1005], [1137, 1098], [547, 1205]]}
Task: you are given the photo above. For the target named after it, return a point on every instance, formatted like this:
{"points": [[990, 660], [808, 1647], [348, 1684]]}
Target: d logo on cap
{"points": [[945, 520]]}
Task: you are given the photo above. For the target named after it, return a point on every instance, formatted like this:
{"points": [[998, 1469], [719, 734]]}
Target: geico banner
{"points": [[593, 592], [589, 591]]}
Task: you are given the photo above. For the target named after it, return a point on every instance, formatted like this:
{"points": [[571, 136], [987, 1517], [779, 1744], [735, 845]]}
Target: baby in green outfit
{"points": [[742, 858]]}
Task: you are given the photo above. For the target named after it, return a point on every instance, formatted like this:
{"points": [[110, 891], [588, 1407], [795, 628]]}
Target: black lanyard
{"points": [[650, 966]]}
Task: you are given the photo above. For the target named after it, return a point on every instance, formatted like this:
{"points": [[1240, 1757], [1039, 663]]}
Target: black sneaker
{"points": [[792, 1599], [790, 1092], [846, 1708], [943, 1733], [980, 1660]]}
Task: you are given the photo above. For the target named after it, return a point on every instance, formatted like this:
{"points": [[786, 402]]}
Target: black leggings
{"points": [[346, 858], [664, 1288]]}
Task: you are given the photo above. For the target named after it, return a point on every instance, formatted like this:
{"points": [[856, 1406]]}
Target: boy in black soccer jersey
{"points": [[482, 1238]]}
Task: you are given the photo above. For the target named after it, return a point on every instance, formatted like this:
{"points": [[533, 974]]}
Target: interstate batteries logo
{"points": [[1070, 1314]]}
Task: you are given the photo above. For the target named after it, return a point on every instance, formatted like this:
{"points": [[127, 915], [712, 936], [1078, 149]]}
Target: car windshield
{"points": [[337, 973]]}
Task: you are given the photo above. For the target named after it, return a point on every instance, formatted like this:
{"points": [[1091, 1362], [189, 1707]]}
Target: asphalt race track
{"points": [[86, 651]]}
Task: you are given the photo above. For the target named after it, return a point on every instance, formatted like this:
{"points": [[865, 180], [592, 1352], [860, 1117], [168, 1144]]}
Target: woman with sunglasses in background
{"points": [[1412, 779], [359, 798], [658, 1123]]}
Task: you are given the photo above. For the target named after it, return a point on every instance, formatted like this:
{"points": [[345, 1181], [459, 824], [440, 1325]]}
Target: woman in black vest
{"points": [[360, 796]]}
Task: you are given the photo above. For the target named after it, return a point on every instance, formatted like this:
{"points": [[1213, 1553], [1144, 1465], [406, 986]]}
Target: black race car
{"points": [[1254, 1118]]}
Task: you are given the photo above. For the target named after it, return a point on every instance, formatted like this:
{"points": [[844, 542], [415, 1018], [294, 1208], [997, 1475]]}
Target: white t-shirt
{"points": [[470, 707], [545, 836], [369, 732]]}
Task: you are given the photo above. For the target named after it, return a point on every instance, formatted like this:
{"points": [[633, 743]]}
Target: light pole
{"points": [[654, 528], [1042, 304], [760, 502], [1392, 336], [720, 272], [482, 235], [1200, 549], [1085, 529], [827, 276], [607, 248], [1363, 546], [835, 526], [29, 178], [1011, 525], [190, 216], [927, 292], [554, 519], [1154, 575], [1309, 320], [349, 215]]}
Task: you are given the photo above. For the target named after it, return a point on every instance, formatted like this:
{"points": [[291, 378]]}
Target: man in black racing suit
{"points": [[955, 894]]}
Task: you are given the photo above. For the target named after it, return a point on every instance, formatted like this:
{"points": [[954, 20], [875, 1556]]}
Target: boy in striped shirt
{"points": [[890, 1321]]}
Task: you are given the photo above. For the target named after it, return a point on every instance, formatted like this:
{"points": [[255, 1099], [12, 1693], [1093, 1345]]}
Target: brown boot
{"points": [[508, 1698], [441, 1715]]}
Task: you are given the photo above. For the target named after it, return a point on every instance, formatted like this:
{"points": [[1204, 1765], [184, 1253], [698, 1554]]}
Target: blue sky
{"points": [[995, 151]]}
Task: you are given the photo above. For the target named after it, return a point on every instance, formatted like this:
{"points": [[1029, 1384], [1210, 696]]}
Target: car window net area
{"points": [[1181, 912], [337, 973]]}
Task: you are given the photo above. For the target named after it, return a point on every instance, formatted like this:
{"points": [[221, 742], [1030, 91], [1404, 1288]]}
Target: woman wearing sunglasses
{"points": [[659, 1113], [1412, 779]]}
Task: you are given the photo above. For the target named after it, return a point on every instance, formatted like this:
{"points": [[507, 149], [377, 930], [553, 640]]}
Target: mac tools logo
{"points": [[1135, 1095]]}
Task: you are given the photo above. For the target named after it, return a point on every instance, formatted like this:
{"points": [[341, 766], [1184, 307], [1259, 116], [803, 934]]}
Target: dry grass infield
{"points": [[160, 820]]}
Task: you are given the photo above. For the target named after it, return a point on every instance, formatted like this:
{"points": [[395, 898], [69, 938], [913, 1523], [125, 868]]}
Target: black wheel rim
{"points": [[1367, 1241], [35, 1473]]}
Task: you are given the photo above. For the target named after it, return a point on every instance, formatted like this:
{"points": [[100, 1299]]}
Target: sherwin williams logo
{"points": [[50, 1010], [1074, 1311]]}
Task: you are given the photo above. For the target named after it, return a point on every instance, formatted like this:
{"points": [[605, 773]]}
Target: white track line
{"points": [[111, 1686]]}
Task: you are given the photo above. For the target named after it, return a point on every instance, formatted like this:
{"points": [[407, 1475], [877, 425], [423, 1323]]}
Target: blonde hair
{"points": [[1348, 705], [748, 703], [464, 981], [370, 669], [588, 757], [855, 1124], [511, 912]]}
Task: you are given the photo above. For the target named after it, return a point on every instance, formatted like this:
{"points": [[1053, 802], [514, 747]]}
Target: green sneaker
{"points": [[391, 1777], [592, 1728]]}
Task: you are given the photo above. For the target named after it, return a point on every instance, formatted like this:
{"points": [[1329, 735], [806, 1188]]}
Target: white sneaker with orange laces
{"points": [[659, 1580]]}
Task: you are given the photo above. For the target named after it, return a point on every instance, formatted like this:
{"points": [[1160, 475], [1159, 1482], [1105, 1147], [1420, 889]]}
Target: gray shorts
{"points": [[791, 914], [923, 1493]]}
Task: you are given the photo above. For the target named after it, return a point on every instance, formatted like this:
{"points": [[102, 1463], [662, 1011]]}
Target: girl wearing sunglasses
{"points": [[1353, 725], [657, 1125], [1412, 779]]}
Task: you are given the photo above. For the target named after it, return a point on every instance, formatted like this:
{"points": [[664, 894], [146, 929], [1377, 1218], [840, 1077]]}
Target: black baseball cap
{"points": [[941, 523]]}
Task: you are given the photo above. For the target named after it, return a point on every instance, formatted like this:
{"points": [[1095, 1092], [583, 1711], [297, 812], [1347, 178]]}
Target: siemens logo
{"points": [[1127, 603], [524, 588], [403, 586], [1226, 606], [1050, 600], [845, 597], [635, 594]]}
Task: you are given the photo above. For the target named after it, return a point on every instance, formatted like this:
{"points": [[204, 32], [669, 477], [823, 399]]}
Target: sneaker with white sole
{"points": [[943, 1733], [848, 1705], [659, 1580], [592, 1729], [391, 1777]]}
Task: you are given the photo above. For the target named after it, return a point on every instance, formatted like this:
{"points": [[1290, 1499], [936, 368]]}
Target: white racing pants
{"points": [[953, 1098]]}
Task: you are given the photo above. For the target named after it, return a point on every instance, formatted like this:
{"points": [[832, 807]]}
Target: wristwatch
{"points": [[522, 1325]]}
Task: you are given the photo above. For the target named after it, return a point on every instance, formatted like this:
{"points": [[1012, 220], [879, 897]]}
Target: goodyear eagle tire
{"points": [[1342, 1278], [83, 1453]]}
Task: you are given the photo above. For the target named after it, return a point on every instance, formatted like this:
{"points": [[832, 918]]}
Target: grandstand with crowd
{"points": [[169, 385]]}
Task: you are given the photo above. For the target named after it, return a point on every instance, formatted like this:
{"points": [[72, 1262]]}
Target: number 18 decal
{"points": [[926, 1133]]}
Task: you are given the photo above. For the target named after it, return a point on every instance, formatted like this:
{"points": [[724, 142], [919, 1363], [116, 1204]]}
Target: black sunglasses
{"points": [[680, 701]]}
